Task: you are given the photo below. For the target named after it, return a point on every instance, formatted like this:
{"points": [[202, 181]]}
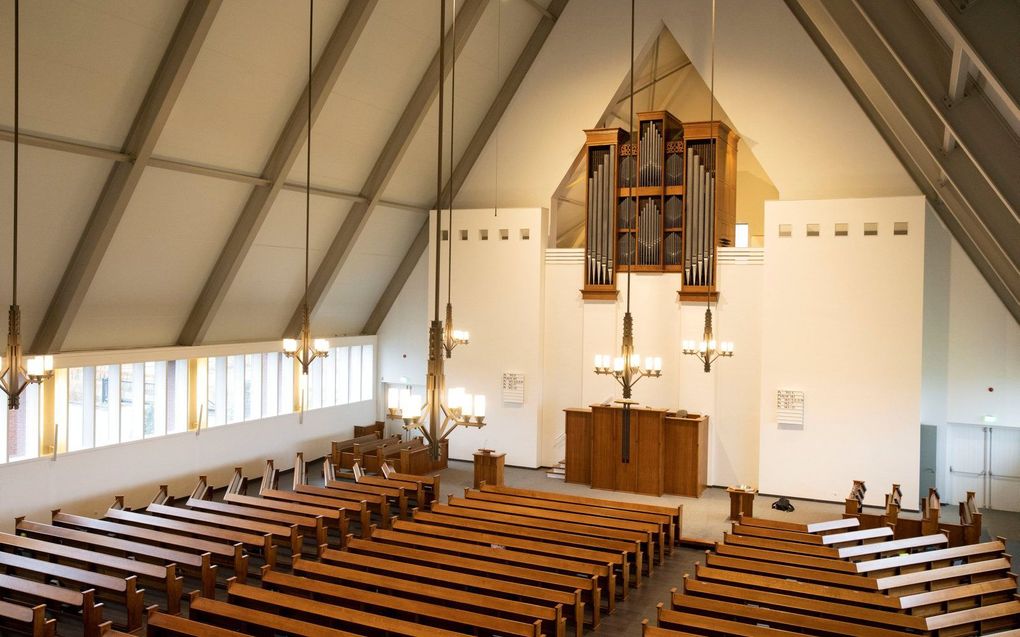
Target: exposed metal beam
{"points": [[331, 62], [386, 165], [93, 150], [898, 113], [173, 70], [471, 154]]}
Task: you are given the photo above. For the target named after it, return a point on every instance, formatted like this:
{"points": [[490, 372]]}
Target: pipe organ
{"points": [[684, 178]]}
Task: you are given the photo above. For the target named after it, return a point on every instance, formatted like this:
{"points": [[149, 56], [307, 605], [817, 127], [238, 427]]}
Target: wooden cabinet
{"points": [[660, 454], [489, 468], [578, 430], [686, 463]]}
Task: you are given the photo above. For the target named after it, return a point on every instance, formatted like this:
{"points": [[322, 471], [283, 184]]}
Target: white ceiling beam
{"points": [[92, 150], [331, 62], [467, 161], [148, 124], [386, 165]]}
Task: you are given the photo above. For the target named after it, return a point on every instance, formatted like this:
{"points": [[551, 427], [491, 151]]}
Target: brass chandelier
{"points": [[305, 348], [17, 371], [709, 350], [441, 411], [627, 368]]}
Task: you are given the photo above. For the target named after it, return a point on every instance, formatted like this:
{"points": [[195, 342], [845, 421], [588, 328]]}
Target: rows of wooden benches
{"points": [[370, 449], [488, 566], [835, 578], [357, 551], [967, 531]]}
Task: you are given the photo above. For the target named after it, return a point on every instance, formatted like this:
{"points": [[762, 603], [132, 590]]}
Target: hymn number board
{"points": [[660, 202]]}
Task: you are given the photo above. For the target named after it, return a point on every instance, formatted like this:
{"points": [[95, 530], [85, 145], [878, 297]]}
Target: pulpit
{"points": [[651, 451]]}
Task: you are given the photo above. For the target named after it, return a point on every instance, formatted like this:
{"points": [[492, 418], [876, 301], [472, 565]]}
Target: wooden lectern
{"points": [[662, 453], [489, 468]]}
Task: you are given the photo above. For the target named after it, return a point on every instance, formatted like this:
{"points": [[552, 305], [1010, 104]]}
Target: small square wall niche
{"points": [[871, 229], [813, 230], [464, 235], [785, 230], [900, 228], [504, 234], [483, 235], [842, 230]]}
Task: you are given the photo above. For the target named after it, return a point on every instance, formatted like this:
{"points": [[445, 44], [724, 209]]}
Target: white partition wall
{"points": [[841, 322]]}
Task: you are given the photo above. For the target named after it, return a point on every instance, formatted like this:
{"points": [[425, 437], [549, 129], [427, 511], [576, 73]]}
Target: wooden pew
{"points": [[780, 584], [163, 625], [30, 620], [830, 578], [836, 539], [313, 520], [516, 610], [817, 528], [614, 560], [300, 485], [677, 620], [932, 559], [970, 519], [616, 552], [337, 447], [253, 622], [924, 603], [554, 599], [633, 541], [895, 547], [377, 428], [40, 594], [353, 508], [232, 554], [428, 613], [358, 450], [199, 565], [642, 532], [413, 489], [889, 619], [602, 572], [285, 535], [165, 576], [121, 589], [663, 534], [781, 619], [545, 579], [263, 544], [329, 614], [1004, 612], [271, 481], [674, 513], [372, 461], [779, 557], [647, 630], [335, 516], [429, 483], [943, 577], [630, 552]]}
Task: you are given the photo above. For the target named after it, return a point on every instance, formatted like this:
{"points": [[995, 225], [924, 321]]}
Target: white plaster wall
{"points": [[842, 318], [498, 296], [85, 482], [984, 349], [563, 364], [403, 334]]}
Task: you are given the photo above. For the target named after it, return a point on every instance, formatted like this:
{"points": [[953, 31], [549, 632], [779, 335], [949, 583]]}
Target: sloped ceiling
{"points": [[87, 64]]}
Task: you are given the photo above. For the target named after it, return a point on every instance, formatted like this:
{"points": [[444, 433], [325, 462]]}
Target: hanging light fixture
{"points": [[440, 412], [709, 350], [304, 348], [16, 371], [627, 368], [452, 337]]}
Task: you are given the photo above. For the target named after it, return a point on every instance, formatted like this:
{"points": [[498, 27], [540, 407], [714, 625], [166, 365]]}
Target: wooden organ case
{"points": [[684, 178]]}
